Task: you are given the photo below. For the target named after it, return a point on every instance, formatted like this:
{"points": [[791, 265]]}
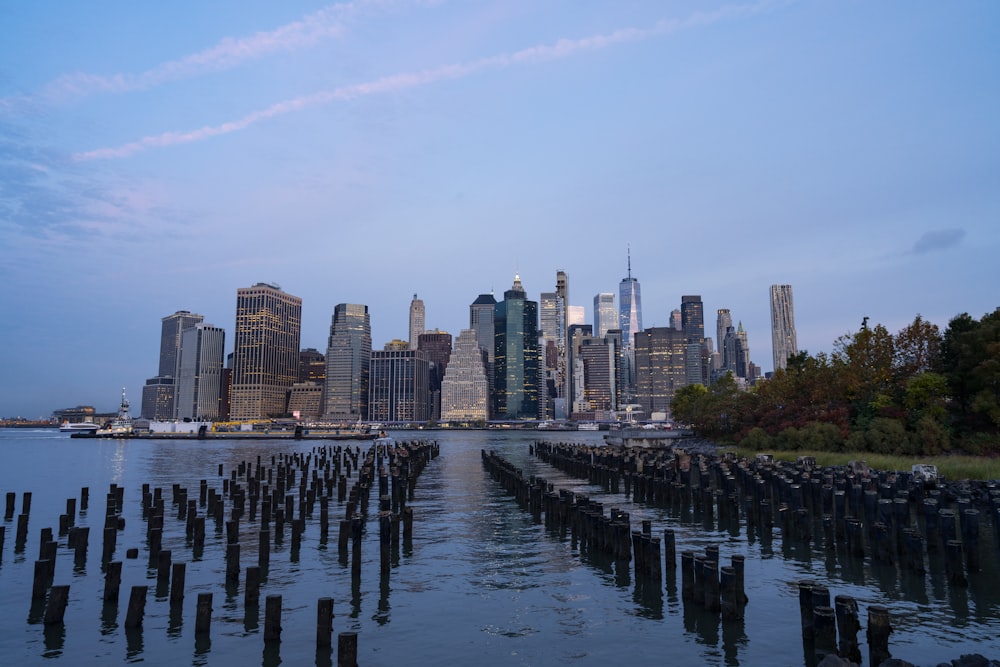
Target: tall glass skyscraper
{"points": [[630, 323], [693, 318], [516, 355], [266, 352], [199, 376], [783, 342], [348, 362], [605, 314]]}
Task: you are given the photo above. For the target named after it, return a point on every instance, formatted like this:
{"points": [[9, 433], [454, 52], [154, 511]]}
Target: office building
{"points": [[348, 362], [693, 318], [783, 342], [199, 378], [417, 321], [465, 391], [158, 398], [661, 369], [172, 326], [398, 385], [605, 314], [437, 346], [723, 320], [516, 355], [312, 366], [266, 351]]}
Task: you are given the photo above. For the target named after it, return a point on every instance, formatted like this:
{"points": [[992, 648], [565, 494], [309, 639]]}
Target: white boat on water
{"points": [[78, 427], [119, 427]]}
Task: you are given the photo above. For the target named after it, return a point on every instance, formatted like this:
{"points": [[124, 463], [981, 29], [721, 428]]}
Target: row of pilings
{"points": [[851, 511], [257, 502], [716, 590]]}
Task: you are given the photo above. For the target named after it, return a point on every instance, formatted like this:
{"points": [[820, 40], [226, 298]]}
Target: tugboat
{"points": [[119, 427]]}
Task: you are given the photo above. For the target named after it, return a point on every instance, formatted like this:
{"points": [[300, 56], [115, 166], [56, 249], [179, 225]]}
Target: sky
{"points": [[156, 157]]}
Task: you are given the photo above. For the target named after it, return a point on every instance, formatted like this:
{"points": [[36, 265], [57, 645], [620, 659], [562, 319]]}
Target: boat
{"points": [[119, 427], [588, 426], [78, 427]]}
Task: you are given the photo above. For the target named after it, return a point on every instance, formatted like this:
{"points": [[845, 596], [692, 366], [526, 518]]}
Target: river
{"points": [[483, 583]]}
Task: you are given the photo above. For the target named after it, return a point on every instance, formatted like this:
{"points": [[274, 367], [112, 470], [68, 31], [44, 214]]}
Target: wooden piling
{"points": [[136, 607], [347, 649], [251, 597], [324, 622], [177, 577], [806, 608], [272, 618], [848, 624], [163, 566], [112, 581], [878, 635], [264, 548], [203, 615], [233, 564], [824, 631], [56, 606], [40, 583]]}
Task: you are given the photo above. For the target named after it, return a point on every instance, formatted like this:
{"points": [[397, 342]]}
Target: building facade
{"points": [[266, 351], [783, 341], [516, 355], [465, 392], [348, 362], [437, 346], [660, 365], [398, 385], [605, 314], [199, 378], [418, 321]]}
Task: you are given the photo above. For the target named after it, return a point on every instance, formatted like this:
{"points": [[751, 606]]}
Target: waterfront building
{"points": [[675, 319], [157, 402], [398, 385], [783, 342], [199, 376], [598, 357], [437, 345], [348, 362], [465, 391], [172, 326], [516, 355], [266, 351], [605, 314], [305, 401], [417, 321], [660, 365], [578, 333]]}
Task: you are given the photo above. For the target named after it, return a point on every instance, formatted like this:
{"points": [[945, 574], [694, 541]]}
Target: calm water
{"points": [[483, 584]]}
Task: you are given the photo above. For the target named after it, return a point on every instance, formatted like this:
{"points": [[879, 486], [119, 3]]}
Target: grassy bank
{"points": [[952, 467]]}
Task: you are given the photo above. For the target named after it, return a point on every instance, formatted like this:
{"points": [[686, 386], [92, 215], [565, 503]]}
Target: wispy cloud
{"points": [[564, 48], [936, 240], [227, 53]]}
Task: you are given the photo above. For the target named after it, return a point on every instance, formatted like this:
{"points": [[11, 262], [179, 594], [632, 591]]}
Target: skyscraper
{"points": [[630, 323], [605, 314], [348, 362], [417, 322], [398, 385], [660, 366], [783, 343], [481, 314], [159, 393], [693, 318], [516, 355], [552, 350], [723, 321], [437, 346], [465, 393], [199, 377], [266, 351]]}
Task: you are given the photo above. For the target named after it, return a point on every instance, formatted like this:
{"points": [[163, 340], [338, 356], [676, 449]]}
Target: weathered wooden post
{"points": [[324, 622], [970, 538], [40, 583], [203, 616], [178, 575], [136, 607], [848, 624], [163, 566], [56, 606], [824, 630], [806, 608], [954, 564], [347, 649], [112, 581], [687, 575], [878, 635], [272, 618], [251, 597], [233, 564]]}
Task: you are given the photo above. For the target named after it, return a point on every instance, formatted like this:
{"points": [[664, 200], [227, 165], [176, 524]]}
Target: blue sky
{"points": [[156, 157]]}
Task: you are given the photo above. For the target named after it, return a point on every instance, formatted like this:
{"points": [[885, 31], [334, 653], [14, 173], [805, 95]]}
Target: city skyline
{"points": [[156, 158]]}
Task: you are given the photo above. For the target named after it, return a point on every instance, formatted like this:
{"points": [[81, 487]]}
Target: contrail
{"points": [[564, 48], [227, 53]]}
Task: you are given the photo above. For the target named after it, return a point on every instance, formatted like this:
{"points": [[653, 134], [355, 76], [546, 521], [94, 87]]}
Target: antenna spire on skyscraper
{"points": [[629, 248]]}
